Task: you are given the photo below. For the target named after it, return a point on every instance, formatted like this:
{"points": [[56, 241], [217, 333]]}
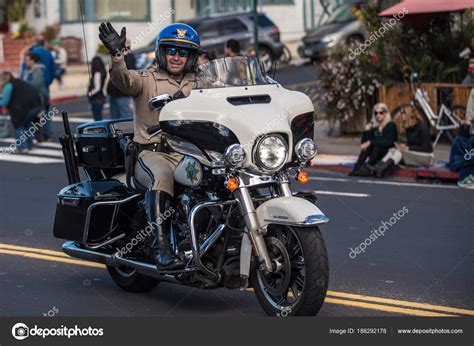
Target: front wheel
{"points": [[298, 284]]}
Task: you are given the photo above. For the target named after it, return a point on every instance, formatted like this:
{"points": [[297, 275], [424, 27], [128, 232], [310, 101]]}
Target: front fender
{"points": [[292, 211]]}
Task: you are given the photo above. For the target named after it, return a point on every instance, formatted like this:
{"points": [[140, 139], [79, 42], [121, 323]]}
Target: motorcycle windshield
{"points": [[231, 72]]}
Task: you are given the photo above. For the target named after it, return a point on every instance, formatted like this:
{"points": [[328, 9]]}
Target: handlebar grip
{"points": [[152, 129]]}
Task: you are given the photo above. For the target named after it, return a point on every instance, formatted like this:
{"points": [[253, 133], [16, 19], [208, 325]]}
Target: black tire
{"points": [[129, 280], [316, 274]]}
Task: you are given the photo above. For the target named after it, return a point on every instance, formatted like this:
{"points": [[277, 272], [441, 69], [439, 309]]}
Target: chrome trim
{"points": [[144, 268], [116, 205], [228, 153], [256, 159], [211, 240], [248, 179], [298, 147], [309, 221], [186, 148], [194, 238]]}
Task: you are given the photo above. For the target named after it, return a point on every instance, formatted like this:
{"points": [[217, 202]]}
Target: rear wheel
{"points": [[130, 280], [299, 282]]}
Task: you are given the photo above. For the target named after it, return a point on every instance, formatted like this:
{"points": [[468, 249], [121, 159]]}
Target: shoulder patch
{"points": [[143, 73]]}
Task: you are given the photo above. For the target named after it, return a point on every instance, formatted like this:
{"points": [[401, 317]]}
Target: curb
{"points": [[69, 98]]}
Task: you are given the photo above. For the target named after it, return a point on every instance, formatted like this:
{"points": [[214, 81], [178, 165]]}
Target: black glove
{"points": [[111, 39]]}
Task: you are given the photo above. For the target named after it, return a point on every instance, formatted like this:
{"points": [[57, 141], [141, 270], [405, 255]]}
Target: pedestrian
{"points": [[60, 59], [418, 150], [24, 103], [47, 60], [232, 48], [35, 75], [121, 105], [461, 156], [376, 141], [96, 87]]}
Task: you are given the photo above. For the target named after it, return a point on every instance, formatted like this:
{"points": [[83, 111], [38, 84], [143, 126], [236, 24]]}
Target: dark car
{"points": [[341, 27], [215, 31]]}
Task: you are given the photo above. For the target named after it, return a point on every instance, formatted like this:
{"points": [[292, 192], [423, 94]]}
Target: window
{"points": [[277, 2], [101, 10], [263, 21], [207, 30], [232, 26]]}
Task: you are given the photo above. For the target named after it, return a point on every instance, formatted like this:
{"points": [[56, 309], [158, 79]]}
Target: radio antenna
{"points": [[81, 10]]}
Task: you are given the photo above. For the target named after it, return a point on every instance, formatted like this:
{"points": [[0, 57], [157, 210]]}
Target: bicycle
{"points": [[448, 118]]}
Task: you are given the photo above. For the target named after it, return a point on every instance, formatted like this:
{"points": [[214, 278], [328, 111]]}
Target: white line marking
{"points": [[46, 145], [336, 193], [74, 120], [28, 159], [48, 152], [394, 183]]}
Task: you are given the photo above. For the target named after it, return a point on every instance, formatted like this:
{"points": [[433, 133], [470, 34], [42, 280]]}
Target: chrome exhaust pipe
{"points": [[144, 268]]}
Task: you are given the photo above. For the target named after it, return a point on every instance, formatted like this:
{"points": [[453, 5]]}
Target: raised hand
{"points": [[111, 39]]}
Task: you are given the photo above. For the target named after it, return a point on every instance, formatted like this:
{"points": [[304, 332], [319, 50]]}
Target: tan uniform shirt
{"points": [[142, 86]]}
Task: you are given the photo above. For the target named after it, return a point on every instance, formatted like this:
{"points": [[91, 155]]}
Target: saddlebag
{"points": [[98, 143], [99, 196]]}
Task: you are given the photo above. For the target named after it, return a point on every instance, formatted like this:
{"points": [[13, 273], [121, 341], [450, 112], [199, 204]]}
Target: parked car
{"points": [[341, 27], [216, 30]]}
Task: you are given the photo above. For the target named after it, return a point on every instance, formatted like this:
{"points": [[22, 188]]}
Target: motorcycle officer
{"points": [[177, 51]]}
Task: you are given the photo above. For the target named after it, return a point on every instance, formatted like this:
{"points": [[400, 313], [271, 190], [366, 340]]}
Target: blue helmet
{"points": [[178, 35]]}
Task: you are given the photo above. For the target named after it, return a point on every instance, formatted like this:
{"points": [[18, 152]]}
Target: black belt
{"points": [[162, 147]]}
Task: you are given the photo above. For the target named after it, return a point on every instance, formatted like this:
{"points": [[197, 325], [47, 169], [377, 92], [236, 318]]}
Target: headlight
{"points": [[270, 152], [305, 149], [235, 155]]}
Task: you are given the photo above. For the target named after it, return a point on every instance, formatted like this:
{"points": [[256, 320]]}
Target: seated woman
{"points": [[417, 152], [376, 141]]}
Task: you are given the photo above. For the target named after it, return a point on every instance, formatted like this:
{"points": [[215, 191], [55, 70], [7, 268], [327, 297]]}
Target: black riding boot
{"points": [[381, 168], [157, 205]]}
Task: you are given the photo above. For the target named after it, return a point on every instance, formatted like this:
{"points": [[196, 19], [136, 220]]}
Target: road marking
{"points": [[57, 256], [51, 258], [45, 145], [386, 308], [46, 152], [401, 303], [336, 193], [33, 249], [28, 159], [376, 182], [74, 120], [40, 154]]}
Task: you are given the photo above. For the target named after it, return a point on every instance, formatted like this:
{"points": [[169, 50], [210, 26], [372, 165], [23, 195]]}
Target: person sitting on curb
{"points": [[461, 156], [376, 141], [418, 150]]}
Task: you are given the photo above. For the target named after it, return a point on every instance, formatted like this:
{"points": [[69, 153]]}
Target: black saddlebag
{"points": [[98, 142], [74, 201]]}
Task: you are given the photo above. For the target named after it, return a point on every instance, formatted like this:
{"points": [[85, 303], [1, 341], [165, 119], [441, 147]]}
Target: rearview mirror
{"points": [[156, 103]]}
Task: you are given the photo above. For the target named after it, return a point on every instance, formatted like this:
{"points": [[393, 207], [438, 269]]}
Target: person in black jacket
{"points": [[96, 87], [417, 151], [376, 141], [24, 103], [121, 105]]}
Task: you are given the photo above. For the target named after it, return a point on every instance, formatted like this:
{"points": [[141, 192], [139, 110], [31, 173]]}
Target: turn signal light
{"points": [[302, 177], [232, 184]]}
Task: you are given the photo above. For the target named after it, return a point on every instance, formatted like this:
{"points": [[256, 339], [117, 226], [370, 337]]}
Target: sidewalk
{"points": [[340, 153], [75, 83]]}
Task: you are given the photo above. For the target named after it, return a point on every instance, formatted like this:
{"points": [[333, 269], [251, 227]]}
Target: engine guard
{"points": [[293, 211]]}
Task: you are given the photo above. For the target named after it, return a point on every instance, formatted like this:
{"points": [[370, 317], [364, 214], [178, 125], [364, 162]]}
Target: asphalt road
{"points": [[421, 266]]}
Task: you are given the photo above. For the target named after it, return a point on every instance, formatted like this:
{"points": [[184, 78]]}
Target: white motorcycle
{"points": [[235, 221]]}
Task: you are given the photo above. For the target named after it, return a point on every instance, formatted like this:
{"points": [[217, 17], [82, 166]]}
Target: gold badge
{"points": [[181, 32]]}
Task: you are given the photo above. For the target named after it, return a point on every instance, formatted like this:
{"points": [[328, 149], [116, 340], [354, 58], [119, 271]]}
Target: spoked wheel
{"points": [[298, 284], [130, 280]]}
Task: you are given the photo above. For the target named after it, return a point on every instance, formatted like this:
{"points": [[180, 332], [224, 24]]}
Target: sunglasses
{"points": [[184, 53], [379, 112]]}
